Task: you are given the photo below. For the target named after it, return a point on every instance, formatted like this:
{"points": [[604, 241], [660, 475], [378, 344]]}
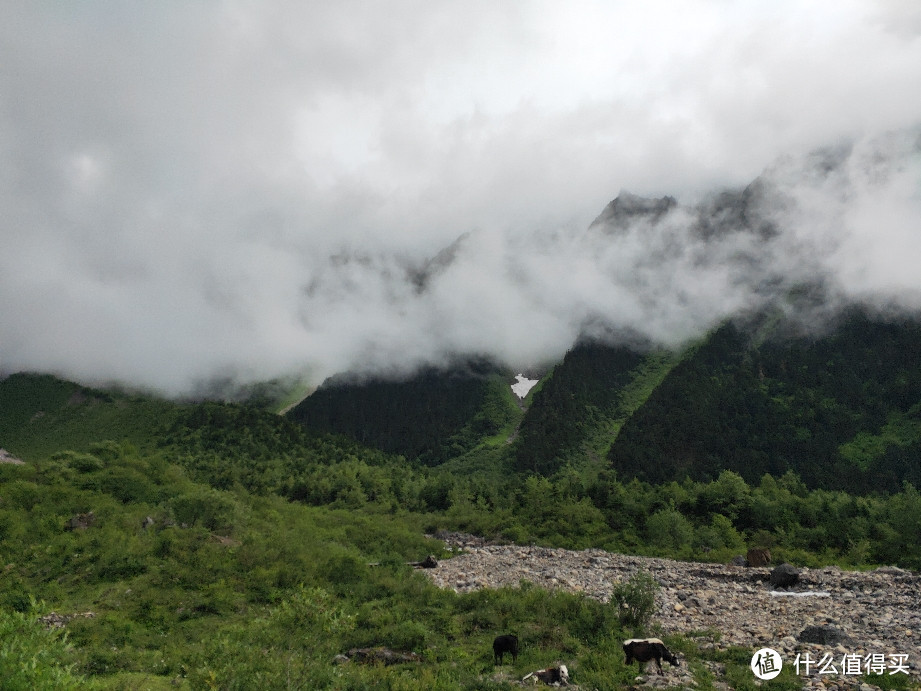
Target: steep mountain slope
{"points": [[843, 410], [579, 409], [431, 417]]}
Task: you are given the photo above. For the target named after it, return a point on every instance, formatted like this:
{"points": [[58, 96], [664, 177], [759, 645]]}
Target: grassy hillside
{"points": [[235, 549], [41, 414]]}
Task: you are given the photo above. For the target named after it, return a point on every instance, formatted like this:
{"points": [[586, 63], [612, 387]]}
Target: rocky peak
{"points": [[628, 208]]}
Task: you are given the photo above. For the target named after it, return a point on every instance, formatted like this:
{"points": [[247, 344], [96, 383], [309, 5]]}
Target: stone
{"points": [[823, 635], [81, 521], [381, 655], [784, 576]]}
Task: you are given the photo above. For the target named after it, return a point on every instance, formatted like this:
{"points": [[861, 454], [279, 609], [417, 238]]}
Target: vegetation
{"points": [[842, 411], [579, 410], [431, 417], [635, 601], [31, 655], [223, 546]]}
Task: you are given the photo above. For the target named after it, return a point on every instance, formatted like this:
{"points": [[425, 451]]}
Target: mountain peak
{"points": [[628, 207]]}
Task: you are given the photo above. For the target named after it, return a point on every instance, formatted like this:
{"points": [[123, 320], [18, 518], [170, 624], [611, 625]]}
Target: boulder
{"points": [[784, 576], [738, 560], [822, 635], [81, 521], [381, 655]]}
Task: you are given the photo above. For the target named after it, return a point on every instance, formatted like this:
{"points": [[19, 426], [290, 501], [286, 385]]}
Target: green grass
{"points": [[35, 657], [230, 590]]}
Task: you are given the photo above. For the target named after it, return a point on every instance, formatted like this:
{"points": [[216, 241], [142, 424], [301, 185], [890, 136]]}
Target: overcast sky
{"points": [[196, 189]]}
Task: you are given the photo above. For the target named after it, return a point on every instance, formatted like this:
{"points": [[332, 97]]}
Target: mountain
{"points": [[800, 377], [842, 410], [41, 414], [430, 417], [579, 409]]}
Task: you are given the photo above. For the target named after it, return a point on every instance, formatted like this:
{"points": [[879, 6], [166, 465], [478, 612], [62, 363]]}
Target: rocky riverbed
{"points": [[829, 613]]}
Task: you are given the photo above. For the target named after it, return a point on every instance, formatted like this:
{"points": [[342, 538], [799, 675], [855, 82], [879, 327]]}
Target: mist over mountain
{"points": [[810, 236], [228, 193]]}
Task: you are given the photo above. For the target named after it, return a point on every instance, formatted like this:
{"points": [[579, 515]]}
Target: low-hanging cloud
{"points": [[259, 189]]}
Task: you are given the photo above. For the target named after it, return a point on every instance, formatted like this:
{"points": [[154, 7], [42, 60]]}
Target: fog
{"points": [[251, 190]]}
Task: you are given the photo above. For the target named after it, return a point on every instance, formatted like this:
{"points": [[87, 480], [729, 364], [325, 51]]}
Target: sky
{"points": [[237, 189]]}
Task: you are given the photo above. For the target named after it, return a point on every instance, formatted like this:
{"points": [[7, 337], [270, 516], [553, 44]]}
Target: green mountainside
{"points": [[842, 410], [578, 411], [434, 416], [215, 545], [41, 414]]}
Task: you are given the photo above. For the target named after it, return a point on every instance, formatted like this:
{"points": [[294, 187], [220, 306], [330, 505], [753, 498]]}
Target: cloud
{"points": [[191, 190]]}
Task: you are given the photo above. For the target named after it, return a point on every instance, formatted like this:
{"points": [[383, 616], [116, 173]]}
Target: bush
{"points": [[669, 529], [31, 656], [635, 601], [81, 462], [207, 507]]}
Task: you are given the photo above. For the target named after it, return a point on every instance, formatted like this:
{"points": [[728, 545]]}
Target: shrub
{"points": [[31, 656], [635, 600], [81, 462], [206, 507], [669, 529]]}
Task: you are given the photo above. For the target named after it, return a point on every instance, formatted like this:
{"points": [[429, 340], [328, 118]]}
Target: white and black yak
{"points": [[645, 649]]}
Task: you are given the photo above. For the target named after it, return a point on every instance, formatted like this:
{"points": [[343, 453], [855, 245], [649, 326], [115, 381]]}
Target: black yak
{"points": [[645, 649], [506, 643]]}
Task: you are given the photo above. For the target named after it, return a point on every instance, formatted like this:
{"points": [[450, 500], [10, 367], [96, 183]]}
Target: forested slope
{"points": [[842, 410], [431, 417], [578, 411]]}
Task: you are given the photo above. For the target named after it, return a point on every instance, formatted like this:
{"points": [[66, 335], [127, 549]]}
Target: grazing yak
{"points": [[645, 649], [506, 643]]}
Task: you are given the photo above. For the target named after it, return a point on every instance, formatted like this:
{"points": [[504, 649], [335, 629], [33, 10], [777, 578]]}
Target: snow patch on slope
{"points": [[522, 385]]}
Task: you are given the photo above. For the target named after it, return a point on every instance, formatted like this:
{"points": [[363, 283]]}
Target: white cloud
{"points": [[196, 189]]}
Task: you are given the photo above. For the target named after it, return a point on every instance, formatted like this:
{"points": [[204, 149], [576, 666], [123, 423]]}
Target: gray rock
{"points": [[81, 521], [822, 635], [784, 576]]}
